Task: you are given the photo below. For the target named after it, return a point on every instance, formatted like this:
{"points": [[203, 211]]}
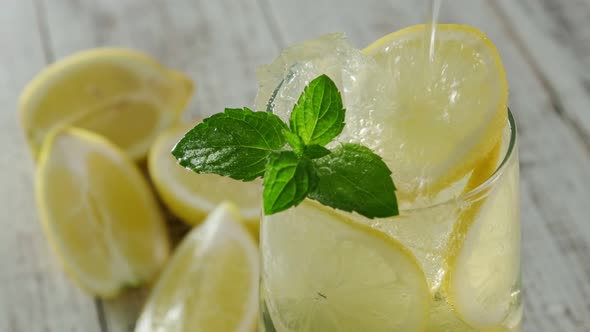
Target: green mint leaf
{"points": [[353, 178], [294, 141], [235, 143], [315, 151], [318, 116], [287, 181]]}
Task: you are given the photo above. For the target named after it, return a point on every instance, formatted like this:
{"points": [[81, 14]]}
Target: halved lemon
{"points": [[443, 114], [192, 196], [211, 282], [122, 94], [325, 272], [98, 213]]}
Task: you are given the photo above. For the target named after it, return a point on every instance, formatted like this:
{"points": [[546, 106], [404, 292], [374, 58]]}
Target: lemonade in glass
{"points": [[450, 261]]}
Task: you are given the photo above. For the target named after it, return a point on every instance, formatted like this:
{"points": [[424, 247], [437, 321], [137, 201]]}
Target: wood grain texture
{"points": [[544, 44], [553, 36]]}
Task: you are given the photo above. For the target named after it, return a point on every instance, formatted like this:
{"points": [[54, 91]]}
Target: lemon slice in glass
{"points": [[484, 261], [440, 116], [325, 272], [99, 213]]}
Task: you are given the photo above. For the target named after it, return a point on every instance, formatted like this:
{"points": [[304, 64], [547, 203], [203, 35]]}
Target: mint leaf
{"points": [[315, 151], [318, 116], [287, 181], [235, 143], [294, 141], [353, 178]]}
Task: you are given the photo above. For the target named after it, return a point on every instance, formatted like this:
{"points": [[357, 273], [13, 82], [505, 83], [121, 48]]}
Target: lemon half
{"points": [[122, 94]]}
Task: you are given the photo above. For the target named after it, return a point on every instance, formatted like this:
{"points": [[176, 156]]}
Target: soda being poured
{"points": [[431, 100]]}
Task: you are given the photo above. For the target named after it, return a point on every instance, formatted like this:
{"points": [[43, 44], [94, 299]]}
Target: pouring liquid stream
{"points": [[430, 42], [431, 71], [430, 32]]}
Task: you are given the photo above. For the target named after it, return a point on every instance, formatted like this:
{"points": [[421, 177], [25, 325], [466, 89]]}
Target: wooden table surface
{"points": [[545, 45]]}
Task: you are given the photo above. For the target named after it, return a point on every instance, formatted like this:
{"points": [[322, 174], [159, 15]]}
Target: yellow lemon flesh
{"points": [[122, 94], [211, 282], [98, 213]]}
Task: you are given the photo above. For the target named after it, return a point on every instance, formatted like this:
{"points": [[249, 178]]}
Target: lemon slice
{"points": [[98, 213], [192, 196], [325, 272], [122, 94], [443, 114], [211, 282], [484, 264]]}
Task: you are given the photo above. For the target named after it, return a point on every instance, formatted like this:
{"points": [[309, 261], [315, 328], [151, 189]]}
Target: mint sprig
{"points": [[293, 160]]}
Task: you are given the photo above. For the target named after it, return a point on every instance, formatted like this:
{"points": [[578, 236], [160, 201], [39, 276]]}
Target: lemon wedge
{"points": [[211, 282], [192, 196], [325, 272], [122, 94], [98, 213]]}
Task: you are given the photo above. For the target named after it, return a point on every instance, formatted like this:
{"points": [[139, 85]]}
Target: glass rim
{"points": [[485, 184]]}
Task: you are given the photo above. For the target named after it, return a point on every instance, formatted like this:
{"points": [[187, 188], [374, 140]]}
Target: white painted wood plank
{"points": [[222, 43], [296, 21], [556, 166], [556, 40], [34, 293], [219, 44]]}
